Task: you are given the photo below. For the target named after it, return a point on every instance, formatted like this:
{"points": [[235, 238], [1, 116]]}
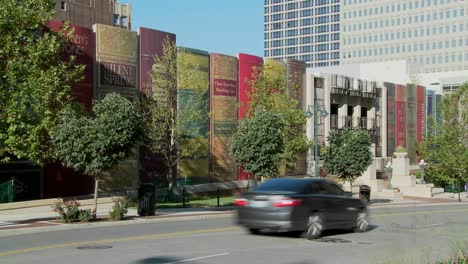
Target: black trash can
{"points": [[364, 193], [146, 199]]}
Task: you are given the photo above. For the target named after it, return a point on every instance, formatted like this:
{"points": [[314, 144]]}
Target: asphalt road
{"points": [[398, 235]]}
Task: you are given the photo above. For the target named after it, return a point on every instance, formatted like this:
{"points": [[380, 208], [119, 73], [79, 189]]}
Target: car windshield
{"points": [[282, 185]]}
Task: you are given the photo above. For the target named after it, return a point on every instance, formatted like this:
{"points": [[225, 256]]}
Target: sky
{"points": [[221, 26]]}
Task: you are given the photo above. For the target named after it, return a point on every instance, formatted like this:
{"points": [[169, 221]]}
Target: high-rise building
{"points": [[306, 30], [86, 13], [430, 33]]}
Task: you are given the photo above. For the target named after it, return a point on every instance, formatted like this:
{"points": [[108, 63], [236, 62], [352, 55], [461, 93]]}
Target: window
{"points": [[291, 6], [306, 22], [277, 25], [335, 46], [290, 15], [291, 32], [333, 189], [307, 49], [292, 24], [335, 27], [306, 3], [277, 34], [335, 18], [291, 50], [277, 52], [306, 40], [276, 8], [306, 31], [335, 36], [276, 43], [291, 42], [306, 13], [63, 6], [276, 17]]}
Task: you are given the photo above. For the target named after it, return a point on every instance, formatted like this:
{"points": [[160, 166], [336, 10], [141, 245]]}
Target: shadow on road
{"points": [[160, 260], [377, 201], [326, 233]]}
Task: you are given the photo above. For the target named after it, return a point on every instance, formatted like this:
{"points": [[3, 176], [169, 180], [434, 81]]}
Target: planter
{"points": [[400, 155]]}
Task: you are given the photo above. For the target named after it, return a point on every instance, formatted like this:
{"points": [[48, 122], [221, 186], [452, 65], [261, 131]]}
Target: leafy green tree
{"points": [[94, 144], [271, 91], [171, 126], [445, 147], [348, 154], [258, 144], [34, 79]]}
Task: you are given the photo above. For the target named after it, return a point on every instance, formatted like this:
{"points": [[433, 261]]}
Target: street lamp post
{"points": [[422, 165], [309, 114]]}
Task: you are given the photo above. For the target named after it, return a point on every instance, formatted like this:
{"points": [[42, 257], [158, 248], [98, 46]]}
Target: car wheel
{"points": [[362, 222], [314, 226], [254, 231]]}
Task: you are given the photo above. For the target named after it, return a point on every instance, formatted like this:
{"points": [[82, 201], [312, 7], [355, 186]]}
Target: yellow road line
{"points": [[192, 232], [113, 240]]}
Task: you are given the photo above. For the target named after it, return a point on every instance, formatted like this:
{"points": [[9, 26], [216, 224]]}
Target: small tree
{"points": [[94, 144], [35, 79], [445, 147], [270, 90], [169, 123], [258, 144], [349, 154]]}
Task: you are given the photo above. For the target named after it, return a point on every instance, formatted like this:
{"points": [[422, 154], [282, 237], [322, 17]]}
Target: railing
{"points": [[333, 122], [347, 121], [343, 122], [7, 192]]}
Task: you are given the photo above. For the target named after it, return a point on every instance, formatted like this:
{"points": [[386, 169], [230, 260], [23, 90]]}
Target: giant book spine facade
{"points": [[223, 122], [59, 181], [247, 65], [391, 144], [196, 168], [116, 70], [411, 108], [400, 116], [152, 167]]}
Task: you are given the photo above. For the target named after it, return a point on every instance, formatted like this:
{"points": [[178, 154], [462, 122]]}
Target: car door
{"points": [[345, 207], [313, 201]]}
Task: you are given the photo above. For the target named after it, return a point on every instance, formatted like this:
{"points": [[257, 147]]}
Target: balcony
{"points": [[343, 122], [341, 84], [368, 89]]}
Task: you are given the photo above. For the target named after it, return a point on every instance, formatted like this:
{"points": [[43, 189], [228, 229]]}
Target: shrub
{"points": [[461, 257], [400, 149], [68, 211], [120, 208], [85, 215]]}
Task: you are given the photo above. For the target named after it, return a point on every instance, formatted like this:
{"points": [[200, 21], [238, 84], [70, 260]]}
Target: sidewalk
{"points": [[44, 216]]}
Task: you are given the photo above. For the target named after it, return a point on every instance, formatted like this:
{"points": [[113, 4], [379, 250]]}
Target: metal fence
{"points": [[7, 192]]}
